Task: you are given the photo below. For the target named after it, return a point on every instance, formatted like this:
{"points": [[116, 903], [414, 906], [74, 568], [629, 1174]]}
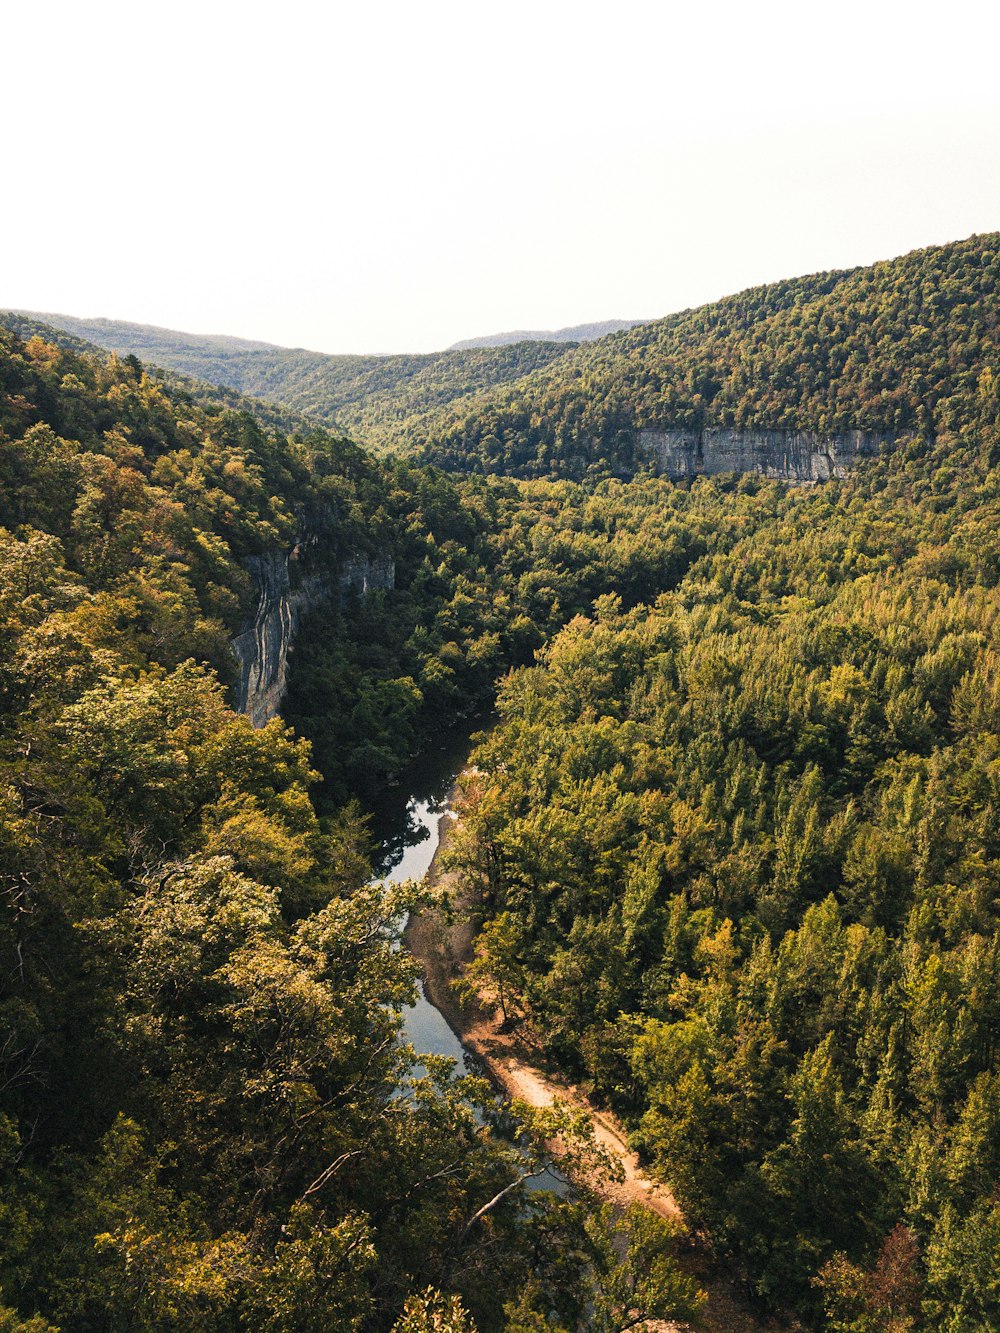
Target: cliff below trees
{"points": [[782, 455], [263, 645], [895, 350]]}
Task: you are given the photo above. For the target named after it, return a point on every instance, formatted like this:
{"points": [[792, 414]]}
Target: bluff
{"points": [[789, 455], [797, 379], [265, 640]]}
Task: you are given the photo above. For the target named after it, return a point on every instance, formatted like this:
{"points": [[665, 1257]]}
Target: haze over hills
{"points": [[575, 333], [191, 387], [880, 350], [121, 335], [369, 397]]}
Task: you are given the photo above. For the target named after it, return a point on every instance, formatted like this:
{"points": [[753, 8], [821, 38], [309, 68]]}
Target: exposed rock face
{"points": [[263, 645], [790, 455], [364, 574]]}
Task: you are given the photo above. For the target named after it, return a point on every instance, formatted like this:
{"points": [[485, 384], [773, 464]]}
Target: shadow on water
{"points": [[400, 826], [406, 827]]}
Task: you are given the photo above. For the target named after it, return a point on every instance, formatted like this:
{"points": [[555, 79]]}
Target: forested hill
{"points": [[180, 386], [894, 348], [739, 854], [207, 1118], [369, 397], [574, 333]]}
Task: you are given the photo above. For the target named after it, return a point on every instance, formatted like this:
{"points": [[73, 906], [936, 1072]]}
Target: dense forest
{"points": [[370, 397], [738, 862], [732, 840], [893, 348], [208, 1119], [487, 570]]}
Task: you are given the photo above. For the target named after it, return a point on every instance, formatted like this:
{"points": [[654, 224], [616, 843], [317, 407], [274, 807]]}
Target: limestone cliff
{"points": [[790, 455], [362, 574], [263, 644]]}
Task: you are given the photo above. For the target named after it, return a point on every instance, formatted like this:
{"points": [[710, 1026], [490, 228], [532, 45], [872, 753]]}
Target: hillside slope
{"points": [[890, 349], [734, 834], [180, 386], [893, 348], [574, 333], [367, 396], [207, 1119], [738, 854]]}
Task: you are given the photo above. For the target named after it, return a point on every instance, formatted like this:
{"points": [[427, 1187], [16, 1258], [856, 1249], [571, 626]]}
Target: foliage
{"points": [[741, 843], [896, 348], [485, 571], [369, 396], [208, 1118], [734, 837], [431, 1312]]}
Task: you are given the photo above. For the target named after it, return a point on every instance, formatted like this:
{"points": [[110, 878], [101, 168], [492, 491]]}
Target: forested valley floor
{"points": [[733, 840]]}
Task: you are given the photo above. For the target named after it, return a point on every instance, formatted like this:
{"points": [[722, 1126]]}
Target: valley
{"points": [[707, 608]]}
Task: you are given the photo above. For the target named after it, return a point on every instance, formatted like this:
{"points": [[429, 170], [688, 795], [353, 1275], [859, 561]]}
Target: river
{"points": [[424, 1026], [407, 827]]}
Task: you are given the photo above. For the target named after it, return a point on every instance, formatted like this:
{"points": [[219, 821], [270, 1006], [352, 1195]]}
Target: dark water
{"points": [[402, 827], [408, 827], [423, 1025]]}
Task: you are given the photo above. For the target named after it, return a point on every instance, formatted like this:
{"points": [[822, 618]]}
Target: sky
{"points": [[389, 177]]}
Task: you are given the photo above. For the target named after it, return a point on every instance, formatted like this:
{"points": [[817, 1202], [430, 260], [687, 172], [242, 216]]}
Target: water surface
{"points": [[406, 825], [409, 827], [424, 1027]]}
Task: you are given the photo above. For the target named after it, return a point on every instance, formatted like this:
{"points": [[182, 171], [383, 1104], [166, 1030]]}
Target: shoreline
{"points": [[442, 947]]}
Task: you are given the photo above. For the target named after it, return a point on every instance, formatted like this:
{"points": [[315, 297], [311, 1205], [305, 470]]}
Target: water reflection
{"points": [[408, 829], [410, 854], [399, 823], [424, 1027]]}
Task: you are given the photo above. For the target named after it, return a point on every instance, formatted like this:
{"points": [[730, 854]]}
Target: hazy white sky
{"points": [[392, 177]]}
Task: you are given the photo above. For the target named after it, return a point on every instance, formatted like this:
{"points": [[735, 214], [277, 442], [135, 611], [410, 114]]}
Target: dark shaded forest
{"points": [[208, 1118], [733, 837]]}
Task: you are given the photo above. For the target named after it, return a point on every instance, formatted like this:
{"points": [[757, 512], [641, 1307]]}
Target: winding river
{"points": [[407, 825], [424, 1026]]}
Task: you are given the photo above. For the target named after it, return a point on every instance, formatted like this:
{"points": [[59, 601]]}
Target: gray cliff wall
{"points": [[789, 455], [265, 641], [363, 574]]}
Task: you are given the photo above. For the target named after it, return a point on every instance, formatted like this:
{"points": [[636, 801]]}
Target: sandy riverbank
{"points": [[442, 945]]}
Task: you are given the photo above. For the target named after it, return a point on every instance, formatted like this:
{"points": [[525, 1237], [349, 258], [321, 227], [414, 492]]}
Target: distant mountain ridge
{"points": [[574, 333], [192, 387], [370, 398], [907, 347], [900, 349], [104, 332]]}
